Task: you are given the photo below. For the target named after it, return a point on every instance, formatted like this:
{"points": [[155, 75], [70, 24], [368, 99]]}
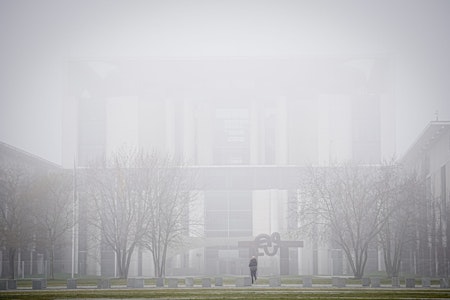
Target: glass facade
{"points": [[91, 130], [228, 213], [231, 137]]}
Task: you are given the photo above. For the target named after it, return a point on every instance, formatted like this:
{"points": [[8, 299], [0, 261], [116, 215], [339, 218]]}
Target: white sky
{"points": [[37, 37]]}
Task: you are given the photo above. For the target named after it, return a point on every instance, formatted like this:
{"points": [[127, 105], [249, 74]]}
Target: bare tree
{"points": [[140, 199], [120, 214], [170, 200], [401, 209], [16, 225], [344, 203], [53, 209]]}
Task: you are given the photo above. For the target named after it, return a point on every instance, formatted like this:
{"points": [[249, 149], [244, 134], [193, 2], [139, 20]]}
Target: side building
{"points": [[429, 158], [18, 169]]}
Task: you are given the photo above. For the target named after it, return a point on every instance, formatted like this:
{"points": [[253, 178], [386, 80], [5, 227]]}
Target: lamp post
{"points": [[74, 200]]}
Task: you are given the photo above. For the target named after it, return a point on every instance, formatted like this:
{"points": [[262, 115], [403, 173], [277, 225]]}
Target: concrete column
{"points": [[284, 261], [218, 281], [254, 133], [307, 281], [395, 282], [206, 282], [426, 282], [39, 284], [12, 284], [410, 282], [71, 283], [3, 284], [281, 139], [189, 282]]}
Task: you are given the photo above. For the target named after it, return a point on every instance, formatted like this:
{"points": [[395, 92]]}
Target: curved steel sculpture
{"points": [[271, 244]]}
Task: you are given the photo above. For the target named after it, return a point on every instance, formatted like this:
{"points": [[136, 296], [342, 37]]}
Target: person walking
{"points": [[253, 265]]}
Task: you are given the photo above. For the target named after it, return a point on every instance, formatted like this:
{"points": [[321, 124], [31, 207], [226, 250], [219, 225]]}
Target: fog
{"points": [[39, 37], [249, 100]]}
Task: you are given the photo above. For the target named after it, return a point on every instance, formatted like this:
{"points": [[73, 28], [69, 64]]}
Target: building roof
{"points": [[12, 153], [426, 139]]}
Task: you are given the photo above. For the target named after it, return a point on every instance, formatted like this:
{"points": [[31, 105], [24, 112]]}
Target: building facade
{"points": [[248, 125]]}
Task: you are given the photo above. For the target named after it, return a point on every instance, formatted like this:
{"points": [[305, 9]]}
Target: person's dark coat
{"points": [[253, 264]]}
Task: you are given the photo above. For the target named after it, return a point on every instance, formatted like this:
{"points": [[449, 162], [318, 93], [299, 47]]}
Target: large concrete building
{"points": [[429, 157], [232, 111], [248, 125]]}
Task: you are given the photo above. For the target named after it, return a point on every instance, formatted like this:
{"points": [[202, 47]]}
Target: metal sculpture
{"points": [[270, 245]]}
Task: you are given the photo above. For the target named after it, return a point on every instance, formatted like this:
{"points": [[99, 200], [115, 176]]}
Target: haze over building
{"points": [[246, 92], [231, 111], [39, 39], [239, 121]]}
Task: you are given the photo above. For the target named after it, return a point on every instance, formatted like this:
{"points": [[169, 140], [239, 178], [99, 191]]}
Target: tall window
{"points": [[91, 130], [269, 137], [228, 214], [231, 137]]}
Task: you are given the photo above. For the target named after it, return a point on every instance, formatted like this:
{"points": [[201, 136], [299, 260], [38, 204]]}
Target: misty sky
{"points": [[38, 36]]}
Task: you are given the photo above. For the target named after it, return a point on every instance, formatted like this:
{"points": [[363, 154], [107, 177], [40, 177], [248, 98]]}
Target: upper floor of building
{"points": [[232, 111]]}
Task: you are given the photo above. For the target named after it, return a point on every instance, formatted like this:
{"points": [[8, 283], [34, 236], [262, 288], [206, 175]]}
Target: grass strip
{"points": [[228, 293]]}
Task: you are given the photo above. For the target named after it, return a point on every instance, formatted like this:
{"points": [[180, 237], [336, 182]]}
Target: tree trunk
{"points": [[122, 263], [163, 260], [52, 261], [124, 273], [360, 265], [118, 257], [156, 264], [128, 261], [11, 257], [387, 260]]}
